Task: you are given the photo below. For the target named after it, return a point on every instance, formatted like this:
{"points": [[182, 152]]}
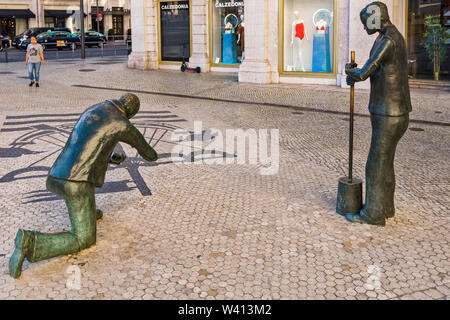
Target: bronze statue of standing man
{"points": [[78, 170], [389, 108]]}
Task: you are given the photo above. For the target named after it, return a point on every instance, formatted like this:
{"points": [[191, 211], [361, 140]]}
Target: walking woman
{"points": [[35, 56]]}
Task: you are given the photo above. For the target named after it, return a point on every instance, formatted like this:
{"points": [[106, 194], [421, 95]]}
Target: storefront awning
{"points": [[58, 13], [16, 13]]}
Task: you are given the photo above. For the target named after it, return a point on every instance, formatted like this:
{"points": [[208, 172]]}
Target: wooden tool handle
{"points": [[352, 112]]}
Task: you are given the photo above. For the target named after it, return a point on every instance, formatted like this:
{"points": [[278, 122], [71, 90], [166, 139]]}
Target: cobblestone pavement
{"points": [[198, 231]]}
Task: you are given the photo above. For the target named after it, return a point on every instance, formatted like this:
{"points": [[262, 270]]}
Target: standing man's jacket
{"points": [[388, 72], [87, 152]]}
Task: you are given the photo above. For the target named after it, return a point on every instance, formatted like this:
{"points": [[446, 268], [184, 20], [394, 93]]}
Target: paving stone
{"points": [[224, 231]]}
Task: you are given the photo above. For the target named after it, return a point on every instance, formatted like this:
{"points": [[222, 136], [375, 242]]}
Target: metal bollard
{"points": [[6, 55], [102, 45]]}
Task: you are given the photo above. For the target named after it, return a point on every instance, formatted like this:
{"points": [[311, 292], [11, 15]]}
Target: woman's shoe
{"points": [[31, 83], [37, 84]]}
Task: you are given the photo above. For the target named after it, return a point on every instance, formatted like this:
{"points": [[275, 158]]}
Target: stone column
{"points": [[256, 66], [36, 8], [144, 35], [200, 45]]}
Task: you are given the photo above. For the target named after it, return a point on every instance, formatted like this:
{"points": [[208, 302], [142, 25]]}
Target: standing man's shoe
{"points": [[24, 244], [390, 214], [364, 220], [31, 84], [37, 84]]}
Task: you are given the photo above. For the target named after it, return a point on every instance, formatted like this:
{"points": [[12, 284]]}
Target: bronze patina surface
{"points": [[389, 108], [78, 170]]}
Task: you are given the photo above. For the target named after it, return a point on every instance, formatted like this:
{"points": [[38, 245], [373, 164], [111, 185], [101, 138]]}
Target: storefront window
{"points": [[228, 31], [8, 27], [175, 30], [55, 22], [308, 36], [21, 25], [429, 39]]}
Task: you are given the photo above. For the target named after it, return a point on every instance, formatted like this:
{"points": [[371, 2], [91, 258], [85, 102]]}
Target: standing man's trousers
{"points": [[80, 201], [380, 176]]}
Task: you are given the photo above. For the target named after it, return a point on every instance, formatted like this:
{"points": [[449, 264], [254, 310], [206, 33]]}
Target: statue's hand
{"points": [[350, 81], [350, 66], [350, 70], [117, 158]]}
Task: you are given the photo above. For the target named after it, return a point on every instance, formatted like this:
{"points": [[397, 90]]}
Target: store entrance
{"points": [[175, 30], [101, 25], [118, 27], [428, 39]]}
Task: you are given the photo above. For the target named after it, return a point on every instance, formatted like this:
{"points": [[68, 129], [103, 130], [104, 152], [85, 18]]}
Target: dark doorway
{"points": [[101, 25], [117, 22], [175, 30]]}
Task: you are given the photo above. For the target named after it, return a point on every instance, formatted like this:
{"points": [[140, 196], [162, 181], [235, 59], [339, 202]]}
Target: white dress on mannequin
{"points": [[298, 37]]}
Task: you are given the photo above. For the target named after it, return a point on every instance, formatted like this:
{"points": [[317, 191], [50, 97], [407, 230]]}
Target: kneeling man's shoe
{"points": [[364, 220], [24, 245], [99, 214]]}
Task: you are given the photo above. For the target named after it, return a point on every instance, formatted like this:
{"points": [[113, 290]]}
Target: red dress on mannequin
{"points": [[300, 30]]}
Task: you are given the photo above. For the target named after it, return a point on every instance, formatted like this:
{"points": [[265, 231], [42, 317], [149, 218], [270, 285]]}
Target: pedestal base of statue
{"points": [[321, 52], [229, 52], [349, 197]]}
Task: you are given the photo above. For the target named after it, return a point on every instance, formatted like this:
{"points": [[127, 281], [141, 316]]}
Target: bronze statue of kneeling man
{"points": [[78, 170], [389, 108]]}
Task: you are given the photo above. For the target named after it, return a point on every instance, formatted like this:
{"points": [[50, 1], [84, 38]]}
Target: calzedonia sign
{"points": [[229, 4], [174, 5]]}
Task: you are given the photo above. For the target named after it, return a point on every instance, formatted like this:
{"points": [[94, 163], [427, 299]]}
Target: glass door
{"points": [[428, 39], [118, 26], [175, 30]]}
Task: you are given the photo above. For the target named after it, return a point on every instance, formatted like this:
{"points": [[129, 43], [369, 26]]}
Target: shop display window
{"points": [[308, 36], [228, 31]]}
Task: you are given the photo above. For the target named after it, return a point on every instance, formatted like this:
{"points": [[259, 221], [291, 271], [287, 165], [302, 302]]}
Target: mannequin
{"points": [[321, 26], [241, 36], [229, 52], [299, 35]]}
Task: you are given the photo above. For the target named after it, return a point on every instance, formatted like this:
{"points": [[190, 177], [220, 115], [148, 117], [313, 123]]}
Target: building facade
{"points": [[18, 15], [272, 41]]}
